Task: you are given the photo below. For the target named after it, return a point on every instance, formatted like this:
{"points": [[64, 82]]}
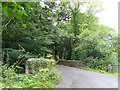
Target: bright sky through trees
{"points": [[109, 16]]}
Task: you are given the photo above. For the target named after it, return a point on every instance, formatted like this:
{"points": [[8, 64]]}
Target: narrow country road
{"points": [[77, 78]]}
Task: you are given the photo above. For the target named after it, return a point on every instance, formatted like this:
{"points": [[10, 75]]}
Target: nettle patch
{"points": [[33, 65]]}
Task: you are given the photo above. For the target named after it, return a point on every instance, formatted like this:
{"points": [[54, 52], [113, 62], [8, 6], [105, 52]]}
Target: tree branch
{"points": [[8, 22]]}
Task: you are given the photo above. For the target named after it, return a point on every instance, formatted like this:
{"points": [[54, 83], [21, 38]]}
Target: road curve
{"points": [[77, 78]]}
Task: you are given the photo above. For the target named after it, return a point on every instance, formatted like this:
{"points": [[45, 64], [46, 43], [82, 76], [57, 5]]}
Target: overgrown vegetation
{"points": [[46, 77], [63, 30], [34, 64]]}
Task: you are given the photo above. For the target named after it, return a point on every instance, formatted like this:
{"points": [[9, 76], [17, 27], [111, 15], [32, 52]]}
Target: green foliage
{"points": [[16, 58], [34, 64], [64, 31], [96, 63], [97, 48], [30, 31], [46, 78], [11, 56]]}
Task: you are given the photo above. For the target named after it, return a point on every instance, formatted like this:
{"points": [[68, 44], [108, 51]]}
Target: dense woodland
{"points": [[64, 30]]}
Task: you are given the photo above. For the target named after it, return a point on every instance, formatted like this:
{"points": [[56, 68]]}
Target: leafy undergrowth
{"points": [[46, 78], [100, 71]]}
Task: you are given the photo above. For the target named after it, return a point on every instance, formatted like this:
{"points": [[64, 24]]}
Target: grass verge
{"points": [[101, 72]]}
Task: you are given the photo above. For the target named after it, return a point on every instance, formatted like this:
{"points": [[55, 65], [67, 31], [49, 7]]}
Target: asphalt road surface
{"points": [[77, 78]]}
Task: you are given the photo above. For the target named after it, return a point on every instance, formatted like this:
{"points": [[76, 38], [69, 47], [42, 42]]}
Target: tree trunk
{"points": [[55, 52], [60, 54], [68, 50]]}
